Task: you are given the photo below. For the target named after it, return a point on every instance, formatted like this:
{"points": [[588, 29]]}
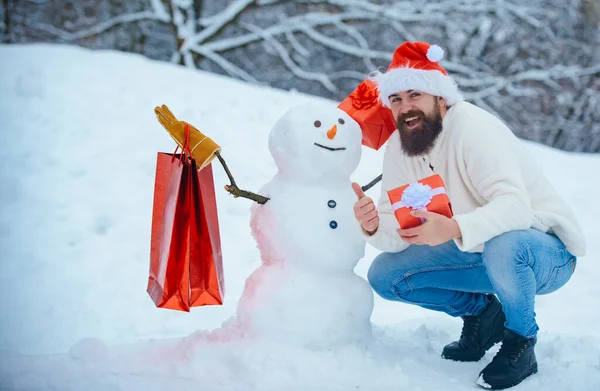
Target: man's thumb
{"points": [[358, 190]]}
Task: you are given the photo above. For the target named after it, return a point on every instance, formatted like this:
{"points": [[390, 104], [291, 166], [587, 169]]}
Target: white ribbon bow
{"points": [[417, 196]]}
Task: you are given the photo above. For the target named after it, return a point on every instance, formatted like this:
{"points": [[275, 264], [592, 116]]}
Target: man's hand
{"points": [[436, 230], [365, 210]]}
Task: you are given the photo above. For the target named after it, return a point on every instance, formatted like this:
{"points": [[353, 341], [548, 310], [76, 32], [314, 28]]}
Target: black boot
{"points": [[513, 363], [479, 333]]}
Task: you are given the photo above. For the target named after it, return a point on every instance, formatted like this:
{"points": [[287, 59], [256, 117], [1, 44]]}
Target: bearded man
{"points": [[511, 237]]}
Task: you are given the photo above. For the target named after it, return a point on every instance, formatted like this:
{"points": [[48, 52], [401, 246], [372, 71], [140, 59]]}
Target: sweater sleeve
{"points": [[493, 170], [386, 238]]}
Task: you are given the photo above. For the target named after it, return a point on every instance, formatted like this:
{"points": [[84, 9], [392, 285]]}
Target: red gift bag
{"points": [[376, 121], [186, 268], [427, 194]]}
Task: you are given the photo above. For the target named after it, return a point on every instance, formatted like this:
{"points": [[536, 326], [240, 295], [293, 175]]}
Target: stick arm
{"points": [[372, 183], [235, 190]]}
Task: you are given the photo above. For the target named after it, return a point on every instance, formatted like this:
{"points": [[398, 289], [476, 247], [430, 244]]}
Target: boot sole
{"points": [[532, 371], [497, 338]]}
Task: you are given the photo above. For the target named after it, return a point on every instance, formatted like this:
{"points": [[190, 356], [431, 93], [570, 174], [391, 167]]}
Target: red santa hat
{"points": [[415, 67]]}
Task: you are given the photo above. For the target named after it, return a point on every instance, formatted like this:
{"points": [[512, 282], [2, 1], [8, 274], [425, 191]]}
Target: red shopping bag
{"points": [[186, 268]]}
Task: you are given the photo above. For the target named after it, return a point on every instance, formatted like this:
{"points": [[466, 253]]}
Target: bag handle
{"points": [[186, 150]]}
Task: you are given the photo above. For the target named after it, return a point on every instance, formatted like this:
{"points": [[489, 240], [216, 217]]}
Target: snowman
{"points": [[306, 290]]}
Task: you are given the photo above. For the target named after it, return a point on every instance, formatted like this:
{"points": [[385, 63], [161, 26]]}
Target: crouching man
{"points": [[512, 236]]}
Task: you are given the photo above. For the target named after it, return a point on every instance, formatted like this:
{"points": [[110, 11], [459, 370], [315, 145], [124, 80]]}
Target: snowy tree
{"points": [[536, 64]]}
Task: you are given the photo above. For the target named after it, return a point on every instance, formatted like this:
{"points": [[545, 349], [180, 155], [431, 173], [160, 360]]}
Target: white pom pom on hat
{"points": [[435, 53]]}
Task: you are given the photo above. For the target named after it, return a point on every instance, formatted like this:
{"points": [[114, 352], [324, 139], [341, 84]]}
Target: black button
{"points": [[331, 203], [333, 224]]}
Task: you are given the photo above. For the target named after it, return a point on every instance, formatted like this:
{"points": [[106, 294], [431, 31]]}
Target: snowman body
{"points": [[306, 290]]}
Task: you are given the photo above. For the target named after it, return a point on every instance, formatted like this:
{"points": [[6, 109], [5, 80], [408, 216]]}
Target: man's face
{"points": [[418, 119]]}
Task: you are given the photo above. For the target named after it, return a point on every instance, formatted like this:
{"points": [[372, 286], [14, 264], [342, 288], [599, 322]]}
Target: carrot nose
{"points": [[332, 132]]}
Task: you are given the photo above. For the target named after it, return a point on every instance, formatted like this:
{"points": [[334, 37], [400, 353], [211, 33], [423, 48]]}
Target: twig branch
{"points": [[372, 183], [235, 190], [229, 175]]}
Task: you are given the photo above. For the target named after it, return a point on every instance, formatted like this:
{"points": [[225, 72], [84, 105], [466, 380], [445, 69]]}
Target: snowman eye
{"points": [[317, 124], [341, 121]]}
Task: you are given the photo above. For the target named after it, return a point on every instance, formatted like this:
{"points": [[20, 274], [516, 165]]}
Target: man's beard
{"points": [[419, 140]]}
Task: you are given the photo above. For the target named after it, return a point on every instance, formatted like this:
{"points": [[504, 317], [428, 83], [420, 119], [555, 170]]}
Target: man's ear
{"points": [[442, 106]]}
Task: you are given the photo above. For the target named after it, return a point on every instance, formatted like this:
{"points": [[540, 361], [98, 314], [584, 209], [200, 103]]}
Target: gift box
{"points": [[427, 194], [376, 121]]}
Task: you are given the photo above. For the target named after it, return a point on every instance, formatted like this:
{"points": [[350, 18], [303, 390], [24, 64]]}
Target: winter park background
{"points": [[78, 151]]}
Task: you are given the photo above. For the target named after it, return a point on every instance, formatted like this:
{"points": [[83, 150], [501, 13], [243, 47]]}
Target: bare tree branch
{"points": [[159, 10], [360, 39], [293, 24], [218, 21], [231, 68], [99, 28], [321, 78], [301, 50], [506, 55], [510, 83], [343, 47]]}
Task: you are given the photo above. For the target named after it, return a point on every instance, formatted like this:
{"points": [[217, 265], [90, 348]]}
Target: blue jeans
{"points": [[515, 266]]}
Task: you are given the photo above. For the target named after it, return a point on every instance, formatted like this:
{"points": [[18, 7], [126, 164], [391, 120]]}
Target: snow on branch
{"points": [[360, 39], [401, 30], [159, 10], [296, 70], [358, 76], [343, 47], [100, 27], [231, 68], [297, 46], [303, 24], [512, 83], [183, 21], [217, 22], [290, 25]]}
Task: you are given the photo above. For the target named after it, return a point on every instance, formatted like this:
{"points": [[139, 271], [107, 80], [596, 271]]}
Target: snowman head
{"points": [[315, 143]]}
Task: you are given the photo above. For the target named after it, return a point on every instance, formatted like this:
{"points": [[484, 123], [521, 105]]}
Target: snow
{"points": [[482, 383], [78, 151]]}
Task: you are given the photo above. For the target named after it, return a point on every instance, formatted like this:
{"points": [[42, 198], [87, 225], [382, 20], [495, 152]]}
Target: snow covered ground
{"points": [[78, 143]]}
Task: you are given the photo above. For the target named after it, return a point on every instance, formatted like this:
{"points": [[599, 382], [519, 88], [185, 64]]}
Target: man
{"points": [[511, 237]]}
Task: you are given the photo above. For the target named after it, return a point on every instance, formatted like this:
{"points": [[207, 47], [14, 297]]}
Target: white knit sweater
{"points": [[493, 183]]}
